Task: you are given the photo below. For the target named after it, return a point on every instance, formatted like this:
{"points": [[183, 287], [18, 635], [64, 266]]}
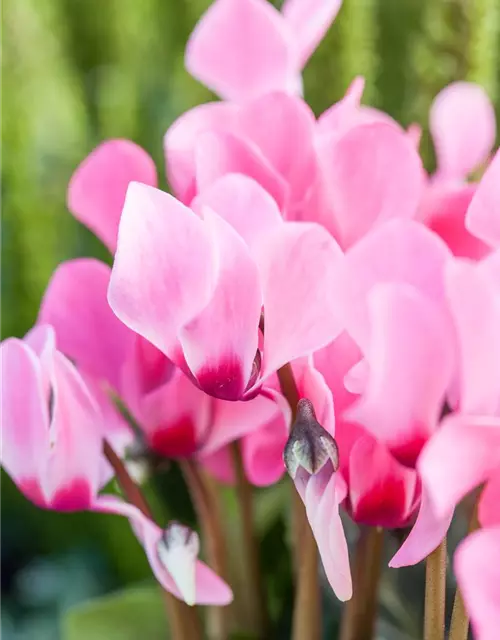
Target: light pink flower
{"points": [[195, 287], [242, 49], [52, 433]]}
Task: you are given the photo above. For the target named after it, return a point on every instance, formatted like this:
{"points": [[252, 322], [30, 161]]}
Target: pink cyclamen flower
{"points": [[52, 432], [245, 48], [195, 287]]}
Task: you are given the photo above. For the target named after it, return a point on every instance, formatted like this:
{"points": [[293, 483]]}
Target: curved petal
{"points": [[220, 343], [462, 124], [97, 189], [300, 312], [75, 304], [399, 251], [489, 502], [461, 455], [426, 534], [180, 141], [25, 419], [309, 21], [219, 153], [163, 273], [244, 204], [483, 216], [476, 314], [242, 49], [373, 173], [411, 364], [342, 115], [477, 567]]}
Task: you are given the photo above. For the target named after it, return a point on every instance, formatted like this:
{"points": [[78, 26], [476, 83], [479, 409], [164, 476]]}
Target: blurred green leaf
{"points": [[132, 614]]}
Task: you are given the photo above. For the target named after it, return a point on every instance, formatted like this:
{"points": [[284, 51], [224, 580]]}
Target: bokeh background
{"points": [[78, 71]]}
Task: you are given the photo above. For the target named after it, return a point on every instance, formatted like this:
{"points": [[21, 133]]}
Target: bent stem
{"points": [[184, 622], [255, 592], [207, 508], [307, 606], [360, 613], [435, 583]]}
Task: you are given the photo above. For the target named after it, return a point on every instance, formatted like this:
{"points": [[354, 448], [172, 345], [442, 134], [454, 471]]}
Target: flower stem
{"points": [[207, 507], [184, 621], [255, 592], [435, 583], [307, 606], [360, 613]]}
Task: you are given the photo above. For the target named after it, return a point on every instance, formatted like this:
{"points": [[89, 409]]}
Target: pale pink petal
{"points": [[311, 384], [411, 365], [309, 20], [97, 189], [381, 490], [268, 122], [490, 266], [242, 49], [476, 314], [477, 567], [399, 251], [460, 456], [483, 216], [426, 534], [299, 309], [373, 173], [219, 153], [75, 304], [25, 419], [219, 465], [42, 340], [180, 142], [76, 436], [414, 132], [342, 115], [462, 124], [163, 272], [244, 204], [489, 502], [220, 343]]}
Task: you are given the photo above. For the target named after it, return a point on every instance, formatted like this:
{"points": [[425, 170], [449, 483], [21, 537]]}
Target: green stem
{"points": [[435, 583], [360, 613], [184, 621]]}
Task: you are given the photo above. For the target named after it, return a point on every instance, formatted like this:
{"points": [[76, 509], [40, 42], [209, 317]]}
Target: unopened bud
{"points": [[178, 550], [309, 445]]}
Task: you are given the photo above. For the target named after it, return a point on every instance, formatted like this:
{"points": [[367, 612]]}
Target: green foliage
{"points": [[131, 614]]}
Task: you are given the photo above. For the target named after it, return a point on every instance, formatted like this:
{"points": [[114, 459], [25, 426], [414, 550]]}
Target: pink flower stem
{"points": [[435, 583], [207, 507], [184, 620], [306, 621], [360, 613]]}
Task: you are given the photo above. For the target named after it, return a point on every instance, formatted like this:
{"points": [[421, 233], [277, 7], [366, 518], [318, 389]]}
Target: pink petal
{"points": [[309, 20], [489, 502], [220, 343], [411, 364], [342, 115], [75, 304], [300, 312], [462, 124], [483, 216], [461, 455], [25, 420], [180, 142], [220, 153], [476, 313], [381, 491], [244, 204], [477, 567], [242, 49], [163, 272], [426, 534], [268, 122], [399, 251], [97, 189], [219, 465]]}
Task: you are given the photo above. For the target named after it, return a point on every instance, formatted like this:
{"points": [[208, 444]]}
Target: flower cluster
{"points": [[313, 248]]}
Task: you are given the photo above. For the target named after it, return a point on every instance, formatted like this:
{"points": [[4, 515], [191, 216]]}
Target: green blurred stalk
{"points": [[483, 52]]}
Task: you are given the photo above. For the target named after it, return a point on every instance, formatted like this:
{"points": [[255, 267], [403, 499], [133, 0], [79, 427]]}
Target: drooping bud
{"points": [[309, 445], [178, 550]]}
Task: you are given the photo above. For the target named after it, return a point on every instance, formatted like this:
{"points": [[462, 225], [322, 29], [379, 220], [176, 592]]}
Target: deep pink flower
{"points": [[52, 432]]}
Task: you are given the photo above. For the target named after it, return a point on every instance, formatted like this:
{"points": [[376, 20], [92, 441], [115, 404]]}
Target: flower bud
{"points": [[309, 445]]}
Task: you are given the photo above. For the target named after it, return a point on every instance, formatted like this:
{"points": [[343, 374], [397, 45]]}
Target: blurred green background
{"points": [[78, 71]]}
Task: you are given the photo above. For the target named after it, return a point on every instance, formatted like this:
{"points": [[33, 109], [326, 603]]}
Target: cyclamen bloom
{"points": [[52, 432]]}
